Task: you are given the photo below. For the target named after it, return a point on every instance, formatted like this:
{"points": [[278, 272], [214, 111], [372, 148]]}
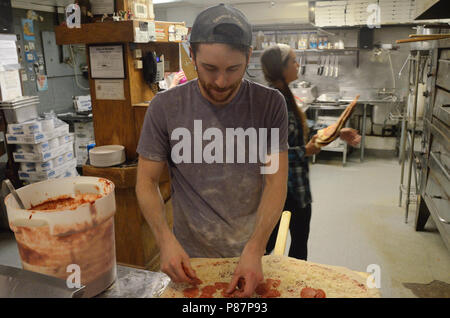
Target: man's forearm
{"points": [[268, 214], [152, 207]]}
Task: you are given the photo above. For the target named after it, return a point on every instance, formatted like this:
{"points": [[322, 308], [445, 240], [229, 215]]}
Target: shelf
{"points": [[143, 104], [345, 51], [109, 32]]}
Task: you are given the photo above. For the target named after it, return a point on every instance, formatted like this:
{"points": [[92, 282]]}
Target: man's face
{"points": [[220, 71]]}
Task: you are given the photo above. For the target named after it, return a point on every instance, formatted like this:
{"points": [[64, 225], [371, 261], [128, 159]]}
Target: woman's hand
{"points": [[311, 148], [350, 136], [176, 79]]}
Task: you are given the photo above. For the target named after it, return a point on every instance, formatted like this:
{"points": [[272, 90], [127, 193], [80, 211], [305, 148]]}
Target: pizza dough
{"points": [[284, 277], [329, 134]]}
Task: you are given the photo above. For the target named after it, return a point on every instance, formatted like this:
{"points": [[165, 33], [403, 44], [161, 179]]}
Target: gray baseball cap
{"points": [[221, 24]]}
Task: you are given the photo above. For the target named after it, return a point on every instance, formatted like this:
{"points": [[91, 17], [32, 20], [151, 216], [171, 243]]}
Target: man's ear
{"points": [[191, 53], [250, 51]]}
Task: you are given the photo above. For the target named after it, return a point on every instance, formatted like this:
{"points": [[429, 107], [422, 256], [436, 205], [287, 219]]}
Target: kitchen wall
{"points": [[60, 88], [372, 73]]}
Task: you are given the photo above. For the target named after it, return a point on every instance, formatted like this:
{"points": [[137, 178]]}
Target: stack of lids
{"points": [[20, 101]]}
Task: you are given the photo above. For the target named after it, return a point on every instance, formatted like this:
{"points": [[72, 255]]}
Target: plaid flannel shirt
{"points": [[298, 179]]}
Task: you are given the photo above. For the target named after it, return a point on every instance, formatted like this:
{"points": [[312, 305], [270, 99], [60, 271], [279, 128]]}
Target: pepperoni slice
{"points": [[273, 282], [308, 292], [272, 293], [268, 289], [226, 295], [221, 285], [262, 289], [196, 281], [208, 291], [191, 292], [320, 294]]}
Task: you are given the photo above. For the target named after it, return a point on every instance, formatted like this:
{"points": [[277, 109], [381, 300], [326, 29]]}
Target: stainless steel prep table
{"points": [[136, 283], [327, 106], [365, 103]]}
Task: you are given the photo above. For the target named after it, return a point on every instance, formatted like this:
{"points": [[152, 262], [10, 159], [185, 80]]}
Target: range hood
{"points": [[432, 9]]}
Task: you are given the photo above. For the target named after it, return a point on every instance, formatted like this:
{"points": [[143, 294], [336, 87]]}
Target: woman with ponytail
{"points": [[280, 68]]}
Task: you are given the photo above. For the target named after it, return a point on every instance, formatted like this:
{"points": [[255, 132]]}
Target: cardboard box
{"points": [[52, 173], [37, 137], [43, 156]]}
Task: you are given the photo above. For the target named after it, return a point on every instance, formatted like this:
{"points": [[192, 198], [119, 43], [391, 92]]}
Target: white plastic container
{"points": [[47, 124], [32, 127], [68, 156], [22, 148], [41, 147], [58, 161], [49, 242], [44, 166], [15, 129], [27, 166], [53, 143], [19, 114]]}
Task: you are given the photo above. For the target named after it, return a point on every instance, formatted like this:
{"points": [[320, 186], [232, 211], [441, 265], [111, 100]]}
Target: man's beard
{"points": [[209, 88]]}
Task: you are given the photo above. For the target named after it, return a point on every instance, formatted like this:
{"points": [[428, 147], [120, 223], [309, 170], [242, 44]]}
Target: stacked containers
{"points": [[84, 137], [44, 149]]}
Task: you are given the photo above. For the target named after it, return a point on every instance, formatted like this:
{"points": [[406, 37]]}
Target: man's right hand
{"points": [[176, 264]]}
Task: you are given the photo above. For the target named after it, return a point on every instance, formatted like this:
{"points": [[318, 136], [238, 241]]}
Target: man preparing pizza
{"points": [[223, 206]]}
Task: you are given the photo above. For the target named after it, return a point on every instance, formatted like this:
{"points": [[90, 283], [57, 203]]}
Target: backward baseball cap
{"points": [[221, 24]]}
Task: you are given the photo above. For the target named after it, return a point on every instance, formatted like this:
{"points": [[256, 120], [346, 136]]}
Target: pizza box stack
{"points": [[44, 149], [84, 138]]}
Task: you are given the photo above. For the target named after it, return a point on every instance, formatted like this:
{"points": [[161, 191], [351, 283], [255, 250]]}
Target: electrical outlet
{"points": [[137, 53]]}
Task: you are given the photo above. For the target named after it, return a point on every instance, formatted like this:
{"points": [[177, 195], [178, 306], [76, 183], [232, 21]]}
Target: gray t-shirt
{"points": [[214, 203]]}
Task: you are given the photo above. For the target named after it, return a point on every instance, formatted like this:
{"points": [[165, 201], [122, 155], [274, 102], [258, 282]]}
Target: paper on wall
{"points": [[8, 53], [107, 61], [10, 86], [109, 89]]}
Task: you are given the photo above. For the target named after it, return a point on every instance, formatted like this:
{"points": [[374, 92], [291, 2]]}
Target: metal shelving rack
{"points": [[408, 135]]}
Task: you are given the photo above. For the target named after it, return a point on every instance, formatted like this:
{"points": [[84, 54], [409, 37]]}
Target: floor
{"points": [[356, 223]]}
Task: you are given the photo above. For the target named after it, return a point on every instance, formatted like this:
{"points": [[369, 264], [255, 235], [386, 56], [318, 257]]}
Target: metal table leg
{"points": [[402, 157], [363, 133], [402, 140]]}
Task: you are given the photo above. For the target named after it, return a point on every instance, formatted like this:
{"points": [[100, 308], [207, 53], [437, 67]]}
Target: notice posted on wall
{"points": [[109, 89]]}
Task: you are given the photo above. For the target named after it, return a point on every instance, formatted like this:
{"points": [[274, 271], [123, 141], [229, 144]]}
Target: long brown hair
{"points": [[273, 65]]}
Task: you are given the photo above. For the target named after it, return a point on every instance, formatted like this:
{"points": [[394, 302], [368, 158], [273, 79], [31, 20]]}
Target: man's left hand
{"points": [[247, 275]]}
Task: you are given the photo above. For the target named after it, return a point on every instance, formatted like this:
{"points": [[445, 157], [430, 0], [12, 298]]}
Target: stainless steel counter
{"points": [[136, 283], [363, 102]]}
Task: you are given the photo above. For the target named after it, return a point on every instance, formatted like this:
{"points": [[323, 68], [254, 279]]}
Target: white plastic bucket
{"points": [[50, 241]]}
